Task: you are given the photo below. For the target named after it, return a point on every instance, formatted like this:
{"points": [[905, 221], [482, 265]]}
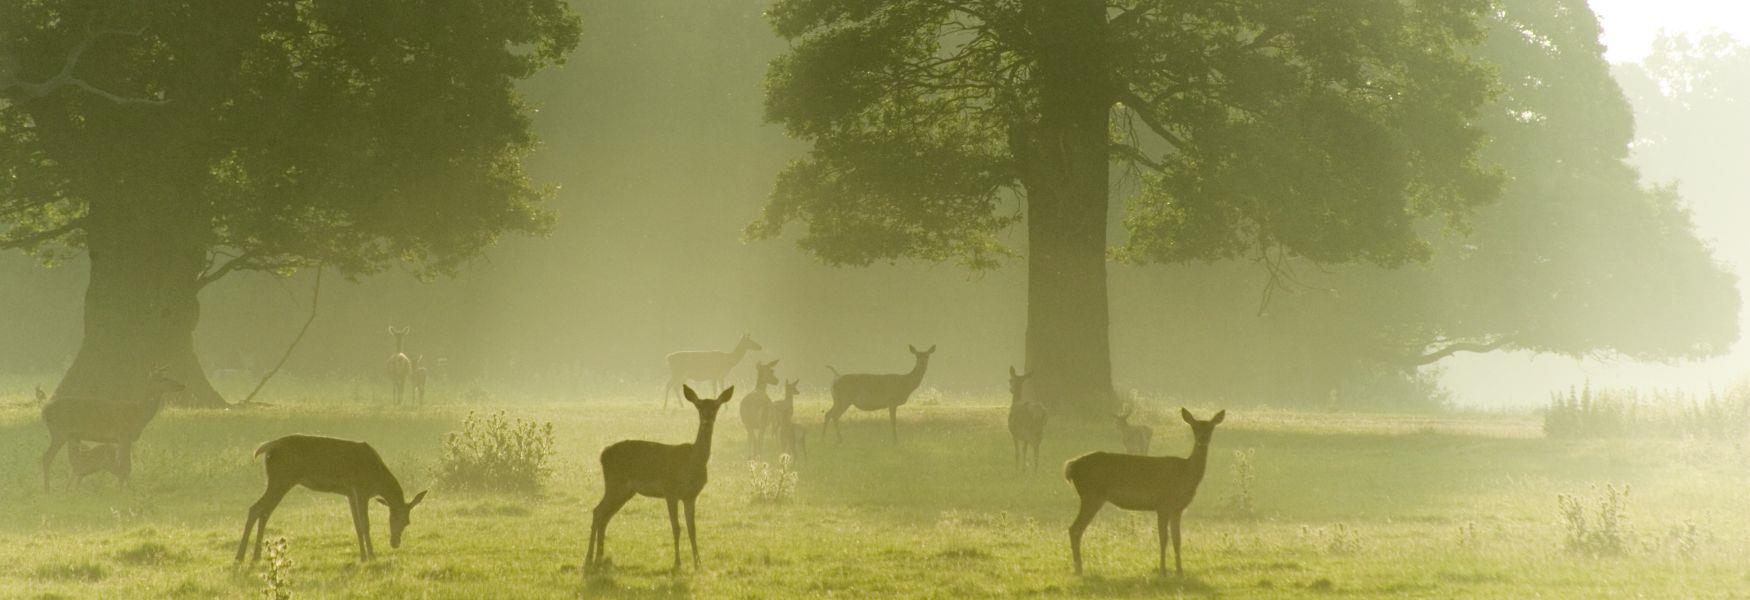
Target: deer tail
{"points": [[266, 447], [835, 372]]}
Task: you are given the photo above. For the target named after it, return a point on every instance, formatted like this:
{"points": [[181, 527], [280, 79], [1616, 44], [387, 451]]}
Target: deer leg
{"points": [[893, 420], [692, 533], [612, 500], [1090, 506], [365, 526], [124, 462], [674, 524], [55, 443], [832, 420], [1162, 529], [352, 505], [1178, 563], [258, 514]]}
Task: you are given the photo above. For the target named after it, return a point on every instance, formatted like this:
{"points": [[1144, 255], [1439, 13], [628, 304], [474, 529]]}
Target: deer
{"points": [[676, 473], [1164, 485], [704, 366], [41, 396], [876, 392], [88, 460], [1134, 437], [792, 438], [1026, 421], [76, 419], [335, 466], [756, 408], [417, 375], [400, 366]]}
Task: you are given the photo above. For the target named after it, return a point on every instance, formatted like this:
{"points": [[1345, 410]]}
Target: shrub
{"points": [[772, 485], [1601, 531], [497, 454], [1589, 413], [276, 576]]}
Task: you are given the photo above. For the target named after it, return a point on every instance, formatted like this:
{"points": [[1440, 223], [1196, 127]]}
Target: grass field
{"points": [[1346, 505]]}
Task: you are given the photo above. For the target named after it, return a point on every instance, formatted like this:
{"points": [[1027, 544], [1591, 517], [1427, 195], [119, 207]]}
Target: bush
{"points": [[1242, 501], [276, 577], [1602, 531], [497, 454], [772, 485], [1589, 413]]}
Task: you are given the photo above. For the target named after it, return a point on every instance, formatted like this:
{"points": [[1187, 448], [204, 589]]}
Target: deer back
{"points": [[329, 465], [94, 419]]}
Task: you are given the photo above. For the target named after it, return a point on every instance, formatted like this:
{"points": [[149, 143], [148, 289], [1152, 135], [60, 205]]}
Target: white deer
{"points": [[704, 366]]}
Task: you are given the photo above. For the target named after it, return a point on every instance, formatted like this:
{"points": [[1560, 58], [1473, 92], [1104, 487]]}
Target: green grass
{"points": [[1348, 505]]}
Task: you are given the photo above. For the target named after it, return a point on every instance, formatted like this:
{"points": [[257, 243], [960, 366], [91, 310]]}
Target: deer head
{"points": [[708, 407], [766, 375], [747, 344], [1123, 419], [1202, 430], [791, 389], [922, 356], [1016, 381], [400, 514]]}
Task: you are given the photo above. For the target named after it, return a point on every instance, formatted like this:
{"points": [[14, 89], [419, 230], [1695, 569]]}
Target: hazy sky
{"points": [[1631, 25]]}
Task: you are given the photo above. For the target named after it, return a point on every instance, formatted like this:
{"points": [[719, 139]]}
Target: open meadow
{"points": [[1340, 505]]}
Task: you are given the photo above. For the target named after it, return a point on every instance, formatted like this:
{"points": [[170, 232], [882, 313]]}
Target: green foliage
{"points": [[1324, 130], [358, 135], [1596, 526], [1589, 413], [497, 454], [1242, 499]]}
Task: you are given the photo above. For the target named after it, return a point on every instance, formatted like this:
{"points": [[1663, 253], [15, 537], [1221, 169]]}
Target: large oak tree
{"points": [[1264, 129], [175, 142]]}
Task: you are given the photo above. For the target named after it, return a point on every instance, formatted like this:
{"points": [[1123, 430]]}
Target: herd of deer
{"points": [[675, 473]]}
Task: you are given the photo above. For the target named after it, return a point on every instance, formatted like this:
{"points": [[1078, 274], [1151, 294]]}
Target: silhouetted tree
{"points": [[1262, 129], [176, 142]]}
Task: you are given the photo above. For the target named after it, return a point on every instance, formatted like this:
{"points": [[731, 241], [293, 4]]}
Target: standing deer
{"points": [[418, 378], [1134, 437], [704, 366], [756, 408], [675, 473], [875, 392], [400, 366], [1026, 422], [792, 438], [336, 466], [85, 461], [1164, 485], [88, 419]]}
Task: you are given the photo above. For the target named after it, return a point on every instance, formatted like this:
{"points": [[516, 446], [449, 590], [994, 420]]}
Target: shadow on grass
{"points": [[618, 582], [1149, 585]]}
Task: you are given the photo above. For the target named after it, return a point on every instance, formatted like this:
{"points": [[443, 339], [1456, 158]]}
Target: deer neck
{"points": [[916, 375], [702, 446], [1199, 458]]}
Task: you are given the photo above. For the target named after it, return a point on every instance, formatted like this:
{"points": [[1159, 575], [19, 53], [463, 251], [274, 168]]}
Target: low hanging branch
{"points": [[10, 84], [315, 297], [1428, 358]]}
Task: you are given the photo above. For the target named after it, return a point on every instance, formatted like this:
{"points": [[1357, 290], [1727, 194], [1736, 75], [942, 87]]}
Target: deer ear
{"points": [[1218, 417], [932, 349], [724, 397], [416, 499], [913, 349], [691, 397], [1186, 415]]}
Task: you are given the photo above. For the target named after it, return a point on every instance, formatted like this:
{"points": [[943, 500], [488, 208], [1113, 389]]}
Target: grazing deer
{"points": [[675, 473], [1161, 484], [400, 366], [88, 419], [875, 392], [336, 466], [704, 366], [1134, 437], [1026, 422], [417, 377], [756, 408], [85, 461], [792, 438]]}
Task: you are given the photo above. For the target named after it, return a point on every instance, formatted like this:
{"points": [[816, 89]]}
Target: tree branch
{"points": [[315, 298], [11, 84], [237, 262], [40, 236], [1449, 350], [1136, 155], [1145, 111]]}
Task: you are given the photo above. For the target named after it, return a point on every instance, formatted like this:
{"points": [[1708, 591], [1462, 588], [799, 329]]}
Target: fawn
{"points": [[336, 466], [704, 366], [675, 473], [78, 419], [756, 408], [792, 438], [1161, 484], [1026, 422], [876, 392], [400, 366], [1134, 437]]}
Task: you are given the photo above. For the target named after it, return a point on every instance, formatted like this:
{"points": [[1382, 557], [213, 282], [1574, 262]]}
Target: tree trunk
{"points": [[1065, 168], [141, 306]]}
